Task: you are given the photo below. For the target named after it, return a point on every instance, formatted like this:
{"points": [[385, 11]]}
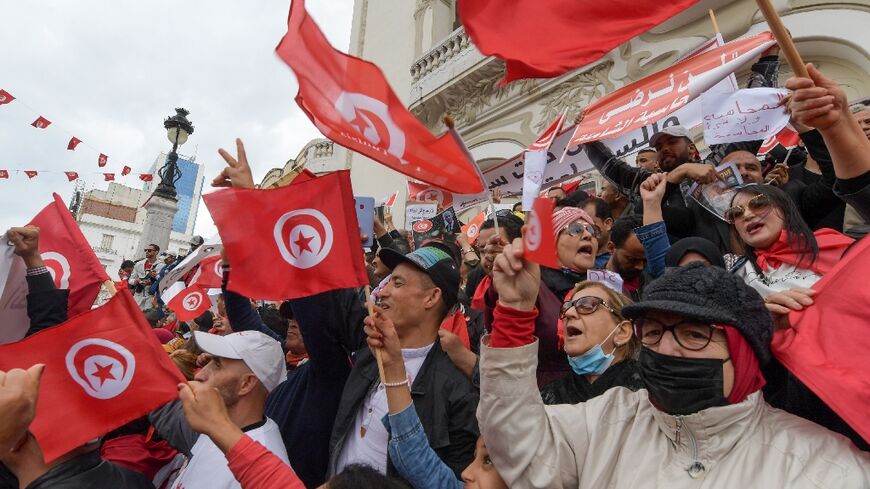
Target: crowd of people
{"points": [[468, 365]]}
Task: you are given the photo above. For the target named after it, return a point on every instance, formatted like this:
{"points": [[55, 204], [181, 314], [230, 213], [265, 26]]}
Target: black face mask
{"points": [[682, 386]]}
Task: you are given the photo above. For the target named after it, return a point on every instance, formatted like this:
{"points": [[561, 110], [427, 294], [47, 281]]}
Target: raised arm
{"points": [[46, 304], [653, 235]]}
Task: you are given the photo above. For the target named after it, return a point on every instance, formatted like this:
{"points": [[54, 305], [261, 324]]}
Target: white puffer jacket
{"points": [[620, 440]]}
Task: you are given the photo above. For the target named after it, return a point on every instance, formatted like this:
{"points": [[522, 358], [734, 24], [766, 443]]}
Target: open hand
{"points": [[516, 279], [238, 173]]}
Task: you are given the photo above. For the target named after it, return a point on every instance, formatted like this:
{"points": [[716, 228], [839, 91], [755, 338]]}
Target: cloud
{"points": [[110, 72]]}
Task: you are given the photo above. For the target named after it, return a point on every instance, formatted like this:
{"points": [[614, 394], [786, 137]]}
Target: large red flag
{"points": [[291, 241], [103, 369], [546, 39], [539, 242], [68, 256], [351, 103], [826, 346], [209, 273], [420, 192]]}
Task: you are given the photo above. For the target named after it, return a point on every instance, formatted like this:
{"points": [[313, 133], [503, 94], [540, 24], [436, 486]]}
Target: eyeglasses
{"points": [[586, 305], [690, 335], [758, 205], [576, 229]]}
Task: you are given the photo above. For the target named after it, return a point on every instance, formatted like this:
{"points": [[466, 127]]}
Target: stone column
{"points": [[158, 223]]}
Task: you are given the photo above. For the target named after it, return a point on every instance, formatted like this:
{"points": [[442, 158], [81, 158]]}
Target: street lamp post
{"points": [[178, 128], [163, 203]]}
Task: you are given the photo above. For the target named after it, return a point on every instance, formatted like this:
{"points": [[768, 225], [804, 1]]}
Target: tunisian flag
{"points": [[351, 103], [291, 241], [209, 273], [188, 303], [539, 242], [73, 142], [546, 39], [103, 369], [420, 192], [5, 97], [41, 123], [68, 256], [826, 346]]}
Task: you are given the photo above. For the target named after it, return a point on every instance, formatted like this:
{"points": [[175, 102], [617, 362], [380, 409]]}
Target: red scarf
{"points": [[293, 360], [747, 374], [456, 324], [478, 302], [832, 245]]}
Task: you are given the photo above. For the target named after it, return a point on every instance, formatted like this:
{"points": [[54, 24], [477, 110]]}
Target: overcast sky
{"points": [[110, 72]]}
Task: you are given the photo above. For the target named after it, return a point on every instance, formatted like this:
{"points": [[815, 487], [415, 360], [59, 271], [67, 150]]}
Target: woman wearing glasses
{"points": [[782, 257], [599, 344], [700, 420]]}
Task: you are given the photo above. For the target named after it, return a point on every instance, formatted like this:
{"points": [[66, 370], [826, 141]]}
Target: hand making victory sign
{"points": [[238, 173]]}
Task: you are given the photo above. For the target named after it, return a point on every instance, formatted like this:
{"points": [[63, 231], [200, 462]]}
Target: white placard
{"points": [[418, 212], [745, 115]]}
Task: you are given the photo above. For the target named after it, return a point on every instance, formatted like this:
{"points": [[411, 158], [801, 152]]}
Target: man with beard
{"points": [[244, 368], [627, 255]]}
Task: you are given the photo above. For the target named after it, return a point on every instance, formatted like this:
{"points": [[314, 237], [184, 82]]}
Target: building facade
{"points": [[112, 221], [188, 189], [432, 65]]}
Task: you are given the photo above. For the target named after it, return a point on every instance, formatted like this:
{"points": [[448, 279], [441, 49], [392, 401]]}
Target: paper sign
{"points": [[745, 115], [419, 211], [716, 197], [607, 278], [533, 177]]}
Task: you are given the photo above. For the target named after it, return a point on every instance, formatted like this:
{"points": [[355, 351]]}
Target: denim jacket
{"points": [[411, 455], [654, 238]]}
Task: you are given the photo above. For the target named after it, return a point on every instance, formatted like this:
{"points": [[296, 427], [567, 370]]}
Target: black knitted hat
{"points": [[710, 294]]}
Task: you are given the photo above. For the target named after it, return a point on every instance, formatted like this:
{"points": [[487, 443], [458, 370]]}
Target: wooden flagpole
{"points": [[715, 24], [783, 38], [371, 309]]}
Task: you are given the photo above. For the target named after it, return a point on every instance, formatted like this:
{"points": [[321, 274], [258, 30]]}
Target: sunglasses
{"points": [[758, 205], [149, 249], [586, 305], [576, 229]]}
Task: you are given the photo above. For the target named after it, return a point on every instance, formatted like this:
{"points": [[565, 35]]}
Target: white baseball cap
{"points": [[262, 354], [675, 131]]}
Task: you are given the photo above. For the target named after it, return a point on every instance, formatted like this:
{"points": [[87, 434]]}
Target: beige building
{"points": [[432, 65]]}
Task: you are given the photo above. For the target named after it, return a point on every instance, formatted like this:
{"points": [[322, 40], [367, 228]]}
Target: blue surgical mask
{"points": [[594, 361]]}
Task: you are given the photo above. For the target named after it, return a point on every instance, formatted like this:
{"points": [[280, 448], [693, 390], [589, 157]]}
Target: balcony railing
{"points": [[105, 251], [455, 43]]}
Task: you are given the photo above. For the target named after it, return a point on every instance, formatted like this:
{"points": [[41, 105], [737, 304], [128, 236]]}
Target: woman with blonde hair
{"points": [[599, 343]]}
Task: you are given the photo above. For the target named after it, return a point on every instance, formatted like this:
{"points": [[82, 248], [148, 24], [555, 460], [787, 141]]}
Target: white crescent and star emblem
{"points": [[101, 367], [308, 240], [371, 119], [532, 235], [431, 195], [472, 231], [59, 268], [422, 226], [192, 301]]}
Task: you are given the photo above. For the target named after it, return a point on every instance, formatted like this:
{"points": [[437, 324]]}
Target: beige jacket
{"points": [[619, 440]]}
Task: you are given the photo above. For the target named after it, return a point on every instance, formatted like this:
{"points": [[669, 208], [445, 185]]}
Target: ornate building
{"points": [[431, 63]]}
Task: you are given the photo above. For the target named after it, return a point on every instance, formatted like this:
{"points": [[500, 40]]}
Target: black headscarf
{"points": [[702, 246]]}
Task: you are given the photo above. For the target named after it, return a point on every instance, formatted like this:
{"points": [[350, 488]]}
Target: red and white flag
{"points": [[546, 39], [4, 174], [654, 97], [5, 97], [102, 160], [209, 274], [31, 173], [351, 103], [292, 241], [788, 138], [68, 256], [188, 303], [539, 242], [472, 229], [71, 175], [109, 177], [421, 192], [126, 171], [102, 369], [41, 123], [145, 177], [73, 142], [536, 162], [391, 200]]}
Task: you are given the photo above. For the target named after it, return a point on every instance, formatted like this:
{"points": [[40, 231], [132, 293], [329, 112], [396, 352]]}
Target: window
{"points": [[106, 242]]}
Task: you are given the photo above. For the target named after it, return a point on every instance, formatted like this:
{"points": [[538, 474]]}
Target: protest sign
{"points": [[716, 197], [745, 115], [420, 210]]}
